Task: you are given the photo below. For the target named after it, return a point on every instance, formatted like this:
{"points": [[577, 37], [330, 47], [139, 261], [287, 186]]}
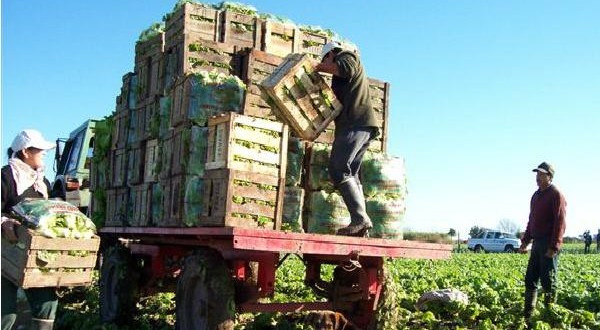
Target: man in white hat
{"points": [[22, 178], [545, 227], [355, 127]]}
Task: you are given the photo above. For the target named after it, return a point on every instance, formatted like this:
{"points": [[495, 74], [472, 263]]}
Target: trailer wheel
{"points": [[205, 294], [118, 286]]}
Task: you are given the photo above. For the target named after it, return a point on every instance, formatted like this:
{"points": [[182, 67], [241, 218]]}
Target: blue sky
{"points": [[482, 91]]}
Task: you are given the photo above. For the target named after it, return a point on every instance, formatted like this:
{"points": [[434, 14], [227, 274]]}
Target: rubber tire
{"points": [[509, 249], [479, 249], [118, 286], [205, 294]]}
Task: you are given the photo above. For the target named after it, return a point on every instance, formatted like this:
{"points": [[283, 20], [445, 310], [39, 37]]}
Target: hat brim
{"points": [[44, 145], [540, 170]]}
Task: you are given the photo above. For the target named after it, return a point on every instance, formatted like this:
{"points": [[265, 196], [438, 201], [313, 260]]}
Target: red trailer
{"points": [[217, 272]]}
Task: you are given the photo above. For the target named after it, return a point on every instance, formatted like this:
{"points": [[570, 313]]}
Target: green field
{"points": [[493, 282]]}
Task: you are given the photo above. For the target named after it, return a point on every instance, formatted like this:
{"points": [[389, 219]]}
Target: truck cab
{"points": [[72, 162], [494, 241]]}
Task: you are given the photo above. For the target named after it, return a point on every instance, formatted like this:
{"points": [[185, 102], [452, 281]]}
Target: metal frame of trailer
{"points": [[354, 291]]}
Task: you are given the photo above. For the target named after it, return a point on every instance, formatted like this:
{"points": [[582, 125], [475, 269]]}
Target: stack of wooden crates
{"points": [[244, 152]]}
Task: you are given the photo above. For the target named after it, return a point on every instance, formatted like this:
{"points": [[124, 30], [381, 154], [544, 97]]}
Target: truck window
{"points": [[75, 151], [499, 235], [490, 235], [90, 154]]}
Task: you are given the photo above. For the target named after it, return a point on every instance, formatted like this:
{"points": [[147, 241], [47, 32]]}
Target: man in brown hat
{"points": [[546, 227]]}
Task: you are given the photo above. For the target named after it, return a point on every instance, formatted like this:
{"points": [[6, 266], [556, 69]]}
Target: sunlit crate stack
{"points": [[160, 168]]}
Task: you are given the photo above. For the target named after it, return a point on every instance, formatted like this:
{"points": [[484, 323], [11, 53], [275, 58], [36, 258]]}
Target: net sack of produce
{"points": [[441, 299], [320, 154], [212, 93], [195, 142], [193, 202], [328, 213], [53, 218], [293, 202], [387, 216], [383, 174], [295, 160], [318, 178]]}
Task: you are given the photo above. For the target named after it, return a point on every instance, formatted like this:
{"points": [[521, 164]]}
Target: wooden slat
{"points": [[254, 136]]}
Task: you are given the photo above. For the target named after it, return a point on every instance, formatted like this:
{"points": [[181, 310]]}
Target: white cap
{"points": [[338, 44], [28, 138]]}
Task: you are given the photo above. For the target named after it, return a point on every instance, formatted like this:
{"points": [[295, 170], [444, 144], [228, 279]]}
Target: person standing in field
{"points": [[545, 227], [355, 127], [22, 178], [598, 241], [587, 238]]}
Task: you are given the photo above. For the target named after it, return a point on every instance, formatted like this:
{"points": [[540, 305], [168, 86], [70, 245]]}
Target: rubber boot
{"points": [[530, 300], [355, 202], [42, 324], [549, 298]]}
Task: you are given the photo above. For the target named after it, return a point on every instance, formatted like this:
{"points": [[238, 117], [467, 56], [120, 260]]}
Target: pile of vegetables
{"points": [[293, 203], [212, 93], [151, 32], [295, 160], [384, 183], [328, 213], [53, 218], [101, 166]]}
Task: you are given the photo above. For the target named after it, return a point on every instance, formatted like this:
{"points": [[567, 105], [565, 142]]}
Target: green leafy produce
{"points": [[387, 216], [152, 31], [328, 213], [383, 174], [295, 161], [53, 218], [193, 201], [212, 93], [293, 204], [238, 8]]}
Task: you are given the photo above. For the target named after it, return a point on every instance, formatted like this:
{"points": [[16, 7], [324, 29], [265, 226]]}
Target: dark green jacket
{"points": [[351, 88]]}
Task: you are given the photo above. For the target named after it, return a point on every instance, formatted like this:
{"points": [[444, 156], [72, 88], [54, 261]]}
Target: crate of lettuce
{"points": [[56, 246]]}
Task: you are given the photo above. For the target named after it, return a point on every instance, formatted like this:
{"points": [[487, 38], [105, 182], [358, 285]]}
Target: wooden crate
{"points": [[185, 204], [118, 167], [126, 99], [120, 130], [22, 266], [148, 67], [328, 136], [165, 155], [135, 163], [280, 39], [196, 18], [151, 161], [312, 42], [189, 150], [140, 205], [165, 219], [257, 66], [247, 144], [379, 92], [241, 30], [189, 53], [380, 99], [149, 119], [240, 199], [117, 207], [195, 102], [303, 98]]}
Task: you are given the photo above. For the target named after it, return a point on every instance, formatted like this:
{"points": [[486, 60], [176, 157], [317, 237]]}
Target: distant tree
{"points": [[508, 226], [475, 231], [452, 232]]}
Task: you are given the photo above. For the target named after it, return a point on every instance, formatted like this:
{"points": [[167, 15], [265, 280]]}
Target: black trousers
{"points": [[541, 268]]}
